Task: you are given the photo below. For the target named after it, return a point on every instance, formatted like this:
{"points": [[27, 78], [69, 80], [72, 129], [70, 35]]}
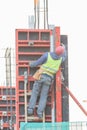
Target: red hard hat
{"points": [[59, 50]]}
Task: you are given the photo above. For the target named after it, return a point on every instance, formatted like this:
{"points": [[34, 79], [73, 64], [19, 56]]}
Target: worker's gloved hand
{"points": [[62, 45], [31, 64]]}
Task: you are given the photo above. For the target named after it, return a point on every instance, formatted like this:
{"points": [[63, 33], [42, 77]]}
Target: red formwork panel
{"points": [[58, 81], [30, 45], [7, 107]]}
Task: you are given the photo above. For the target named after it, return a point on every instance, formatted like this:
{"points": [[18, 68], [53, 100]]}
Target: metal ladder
{"points": [[29, 118]]}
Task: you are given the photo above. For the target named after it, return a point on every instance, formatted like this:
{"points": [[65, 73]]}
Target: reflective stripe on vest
{"points": [[51, 65]]}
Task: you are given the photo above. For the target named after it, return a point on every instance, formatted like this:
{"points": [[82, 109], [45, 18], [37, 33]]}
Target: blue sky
{"points": [[71, 16]]}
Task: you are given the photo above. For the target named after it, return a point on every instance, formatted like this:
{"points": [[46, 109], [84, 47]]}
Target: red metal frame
{"points": [[20, 78], [4, 105], [17, 94], [24, 63], [58, 81]]}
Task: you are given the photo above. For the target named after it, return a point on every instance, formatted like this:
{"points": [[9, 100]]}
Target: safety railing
{"points": [[54, 126]]}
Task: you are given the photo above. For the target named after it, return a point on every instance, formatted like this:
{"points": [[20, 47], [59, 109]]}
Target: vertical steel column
{"points": [[47, 12], [52, 38], [17, 84], [25, 93], [7, 58], [44, 16], [65, 96], [52, 45], [58, 82], [11, 103], [36, 13]]}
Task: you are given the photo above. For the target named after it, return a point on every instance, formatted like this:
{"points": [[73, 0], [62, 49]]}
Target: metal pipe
{"points": [[38, 12], [11, 103], [25, 92], [76, 101], [52, 40], [7, 104], [35, 13], [7, 90], [47, 12], [44, 14], [51, 50]]}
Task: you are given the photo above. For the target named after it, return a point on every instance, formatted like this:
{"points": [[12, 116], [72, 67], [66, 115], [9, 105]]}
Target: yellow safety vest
{"points": [[51, 66]]}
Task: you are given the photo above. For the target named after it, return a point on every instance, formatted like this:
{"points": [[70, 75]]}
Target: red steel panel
{"points": [[17, 92], [58, 82], [20, 42], [4, 113]]}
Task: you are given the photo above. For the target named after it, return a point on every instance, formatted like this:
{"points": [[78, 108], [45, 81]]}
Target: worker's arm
{"points": [[40, 61]]}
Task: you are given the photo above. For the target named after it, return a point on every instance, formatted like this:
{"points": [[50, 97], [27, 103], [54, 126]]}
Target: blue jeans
{"points": [[41, 87]]}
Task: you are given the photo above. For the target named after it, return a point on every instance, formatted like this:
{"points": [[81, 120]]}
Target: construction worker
{"points": [[50, 63]]}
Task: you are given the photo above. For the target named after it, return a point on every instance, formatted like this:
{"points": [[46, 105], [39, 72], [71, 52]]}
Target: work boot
{"points": [[30, 111], [40, 115]]}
